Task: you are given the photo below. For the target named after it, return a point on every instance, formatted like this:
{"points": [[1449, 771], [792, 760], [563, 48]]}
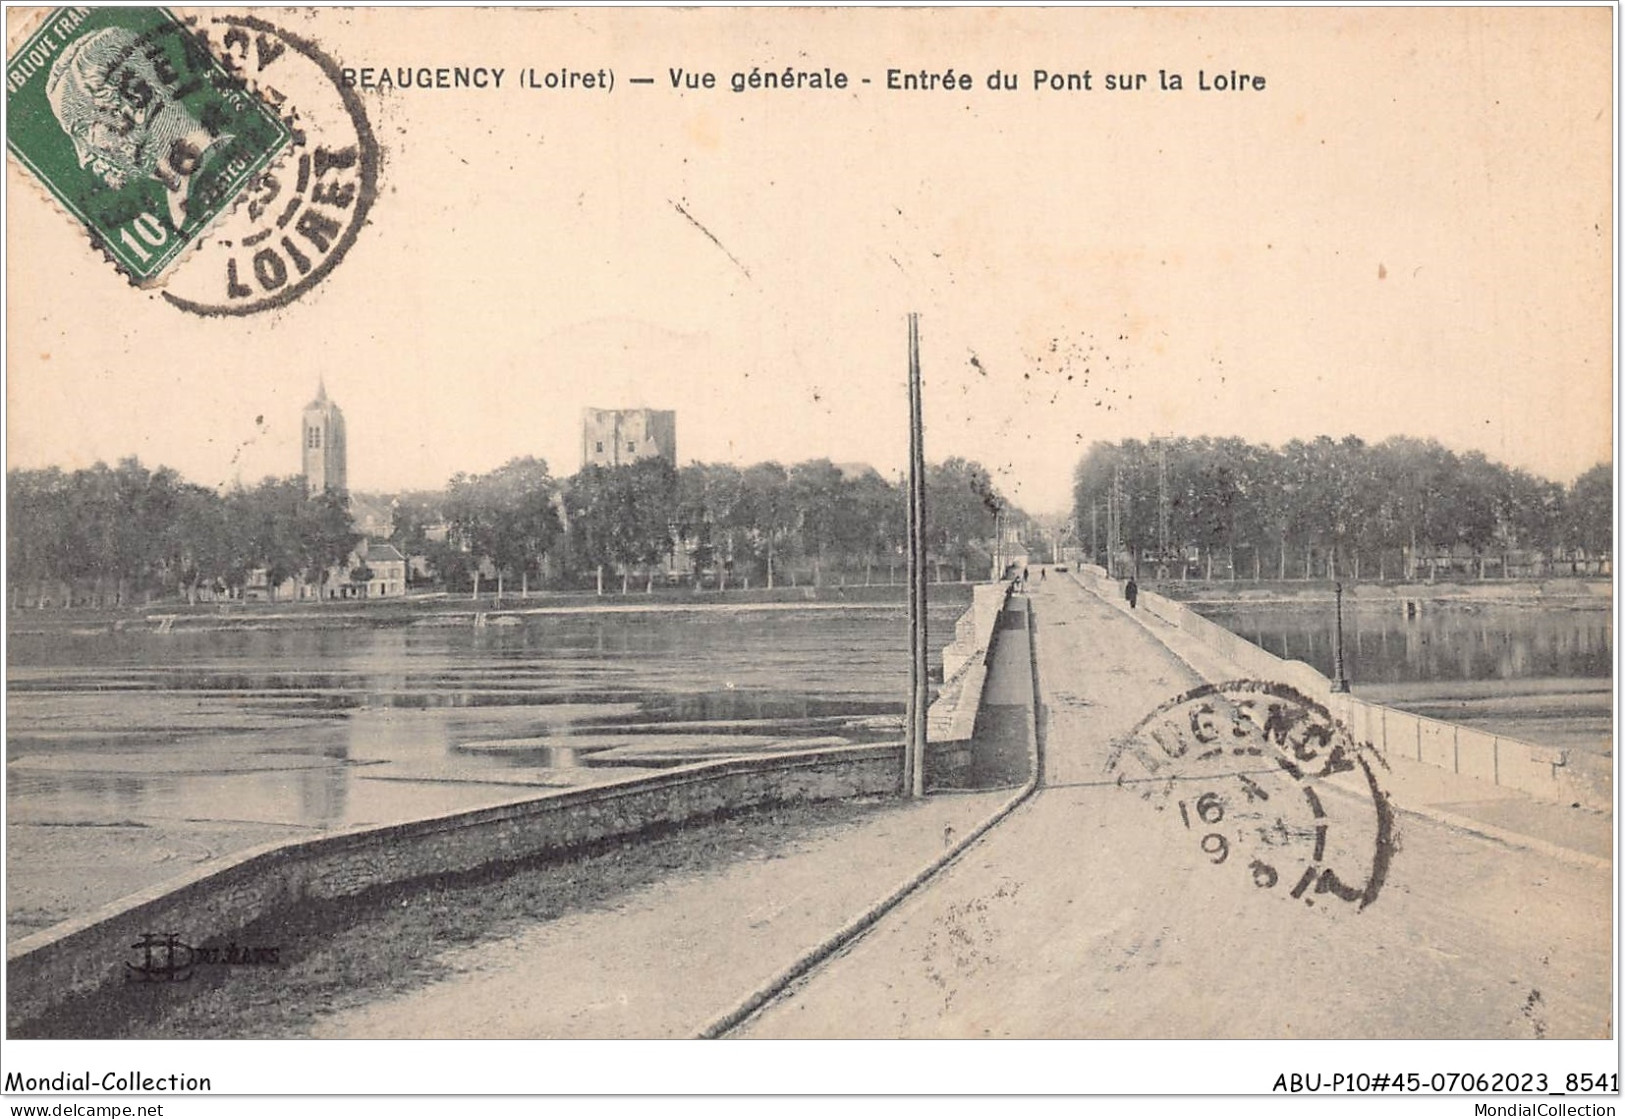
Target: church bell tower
{"points": [[323, 443]]}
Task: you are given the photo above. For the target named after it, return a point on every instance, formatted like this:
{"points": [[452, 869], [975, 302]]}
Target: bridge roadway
{"points": [[1084, 914], [1087, 914]]}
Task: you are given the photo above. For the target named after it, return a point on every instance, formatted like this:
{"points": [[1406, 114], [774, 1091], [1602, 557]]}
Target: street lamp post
{"points": [[1340, 681]]}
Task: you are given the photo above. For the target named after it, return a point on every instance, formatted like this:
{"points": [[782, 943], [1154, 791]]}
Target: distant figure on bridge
{"points": [[1043, 573], [1131, 591]]}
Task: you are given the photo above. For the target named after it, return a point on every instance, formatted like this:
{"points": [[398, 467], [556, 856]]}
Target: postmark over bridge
{"points": [[1267, 782]]}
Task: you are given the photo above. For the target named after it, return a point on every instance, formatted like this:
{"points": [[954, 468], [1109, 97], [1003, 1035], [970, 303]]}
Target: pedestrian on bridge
{"points": [[1131, 591]]}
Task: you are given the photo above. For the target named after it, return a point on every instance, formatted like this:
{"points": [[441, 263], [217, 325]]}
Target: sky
{"points": [[1407, 231]]}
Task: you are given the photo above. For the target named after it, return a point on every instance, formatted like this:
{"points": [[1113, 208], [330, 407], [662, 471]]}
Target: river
{"points": [[133, 754], [1539, 671]]}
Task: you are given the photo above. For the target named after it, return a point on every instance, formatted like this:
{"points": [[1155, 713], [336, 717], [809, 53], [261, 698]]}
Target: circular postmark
{"points": [[295, 222], [1269, 786]]}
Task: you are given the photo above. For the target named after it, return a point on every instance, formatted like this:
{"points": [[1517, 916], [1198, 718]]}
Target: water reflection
{"points": [[1445, 642], [344, 725]]}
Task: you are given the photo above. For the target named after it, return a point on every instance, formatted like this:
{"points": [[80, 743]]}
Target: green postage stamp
{"points": [[135, 128]]}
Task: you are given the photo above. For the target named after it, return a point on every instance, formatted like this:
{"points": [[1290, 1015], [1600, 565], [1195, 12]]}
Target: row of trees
{"points": [[1329, 507], [766, 522], [115, 535]]}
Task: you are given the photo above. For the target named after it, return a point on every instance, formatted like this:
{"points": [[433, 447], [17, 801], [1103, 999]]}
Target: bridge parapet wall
{"points": [[211, 903], [1561, 776], [951, 720], [1248, 658], [1256, 663], [973, 632], [1544, 772]]}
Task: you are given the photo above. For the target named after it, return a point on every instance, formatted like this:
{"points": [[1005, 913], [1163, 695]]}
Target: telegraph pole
{"points": [[1114, 524], [1111, 521], [919, 673], [998, 546], [1162, 501]]}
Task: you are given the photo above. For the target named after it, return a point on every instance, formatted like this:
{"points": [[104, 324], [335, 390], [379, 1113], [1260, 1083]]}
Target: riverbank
{"points": [[441, 608], [1585, 594]]}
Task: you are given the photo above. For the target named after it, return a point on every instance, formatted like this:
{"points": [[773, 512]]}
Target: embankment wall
{"points": [[80, 956]]}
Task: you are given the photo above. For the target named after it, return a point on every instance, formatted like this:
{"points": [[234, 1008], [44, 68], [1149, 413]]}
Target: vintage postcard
{"points": [[563, 528]]}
